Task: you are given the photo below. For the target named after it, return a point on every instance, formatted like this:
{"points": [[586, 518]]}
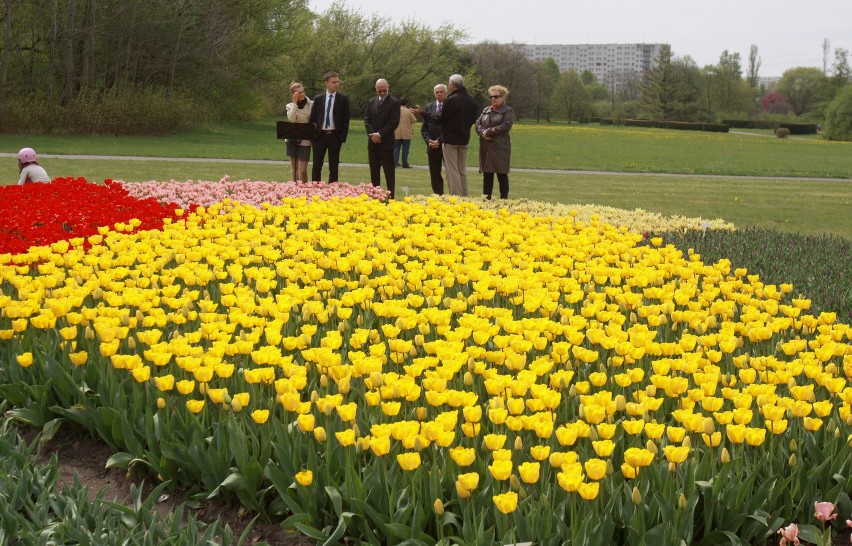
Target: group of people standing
{"points": [[388, 121]]}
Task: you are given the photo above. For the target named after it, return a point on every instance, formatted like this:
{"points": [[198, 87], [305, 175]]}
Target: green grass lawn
{"points": [[793, 206], [568, 147]]}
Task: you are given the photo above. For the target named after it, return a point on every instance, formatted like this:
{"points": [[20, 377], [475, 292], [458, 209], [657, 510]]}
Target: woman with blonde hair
{"points": [[299, 151], [495, 146]]}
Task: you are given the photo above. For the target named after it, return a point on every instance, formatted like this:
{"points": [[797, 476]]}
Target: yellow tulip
{"points": [[408, 461], [595, 469], [141, 375], [603, 448], [260, 416], [472, 414], [494, 441], [195, 406], [540, 453], [25, 360], [506, 503], [305, 478], [306, 422], [569, 481], [628, 471], [676, 454], [637, 457], [185, 386], [589, 491], [500, 470], [469, 481], [529, 472], [755, 436], [463, 456]]}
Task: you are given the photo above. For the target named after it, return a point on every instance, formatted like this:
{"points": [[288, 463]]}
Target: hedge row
{"points": [[681, 125], [795, 128]]}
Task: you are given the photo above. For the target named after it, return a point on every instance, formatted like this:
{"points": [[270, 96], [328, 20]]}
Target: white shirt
{"points": [[33, 173]]}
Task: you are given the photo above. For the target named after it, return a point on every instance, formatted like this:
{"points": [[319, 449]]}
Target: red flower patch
{"points": [[40, 214]]}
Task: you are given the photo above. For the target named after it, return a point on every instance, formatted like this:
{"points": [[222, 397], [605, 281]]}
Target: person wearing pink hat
{"points": [[31, 171]]}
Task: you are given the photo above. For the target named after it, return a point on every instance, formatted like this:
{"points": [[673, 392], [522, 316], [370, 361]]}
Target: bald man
{"points": [[381, 119]]}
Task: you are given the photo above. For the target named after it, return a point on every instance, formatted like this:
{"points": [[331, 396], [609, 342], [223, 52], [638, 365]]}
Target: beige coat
{"points": [[300, 115], [405, 129]]}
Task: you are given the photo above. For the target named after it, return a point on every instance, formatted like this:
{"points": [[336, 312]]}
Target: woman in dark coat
{"points": [[495, 146]]}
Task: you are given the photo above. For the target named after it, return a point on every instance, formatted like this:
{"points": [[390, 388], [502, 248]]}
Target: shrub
{"points": [[147, 112], [838, 116], [782, 132]]}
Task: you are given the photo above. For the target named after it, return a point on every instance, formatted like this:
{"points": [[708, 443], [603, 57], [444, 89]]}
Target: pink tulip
{"points": [[789, 533], [824, 511]]}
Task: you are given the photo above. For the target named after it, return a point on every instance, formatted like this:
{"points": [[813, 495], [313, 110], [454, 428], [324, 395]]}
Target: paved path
{"points": [[514, 169]]}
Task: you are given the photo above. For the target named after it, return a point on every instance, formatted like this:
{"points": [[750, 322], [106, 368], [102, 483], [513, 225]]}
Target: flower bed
{"points": [[246, 191], [439, 372], [40, 214]]}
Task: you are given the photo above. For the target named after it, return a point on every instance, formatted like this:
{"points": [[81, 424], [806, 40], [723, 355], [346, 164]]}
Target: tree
{"points": [[570, 98], [804, 88], [840, 69], [508, 65], [670, 90], [754, 63], [774, 103], [548, 76], [838, 116], [724, 89]]}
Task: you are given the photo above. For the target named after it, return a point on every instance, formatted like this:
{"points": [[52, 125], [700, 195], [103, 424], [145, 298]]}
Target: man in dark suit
{"points": [[381, 119], [330, 114], [432, 134]]}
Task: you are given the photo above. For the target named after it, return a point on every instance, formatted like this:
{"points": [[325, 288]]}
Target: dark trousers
{"points": [[401, 146], [382, 158], [436, 161], [488, 184], [331, 143]]}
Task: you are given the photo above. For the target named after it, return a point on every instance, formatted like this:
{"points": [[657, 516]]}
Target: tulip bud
{"points": [[514, 482], [236, 405], [793, 445], [418, 443], [792, 461], [421, 413], [438, 507], [831, 426], [90, 334], [314, 397], [651, 390], [725, 457], [651, 446], [709, 427], [681, 501], [672, 468], [131, 343], [161, 403], [610, 469], [636, 497], [519, 444], [468, 379], [620, 403]]}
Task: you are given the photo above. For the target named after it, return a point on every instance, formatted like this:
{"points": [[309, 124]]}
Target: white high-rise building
{"points": [[610, 63]]}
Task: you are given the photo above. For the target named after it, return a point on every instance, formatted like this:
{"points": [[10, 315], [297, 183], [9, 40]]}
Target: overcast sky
{"points": [[788, 33]]}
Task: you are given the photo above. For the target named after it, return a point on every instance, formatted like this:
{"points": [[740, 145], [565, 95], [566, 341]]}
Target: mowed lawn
{"points": [[798, 206]]}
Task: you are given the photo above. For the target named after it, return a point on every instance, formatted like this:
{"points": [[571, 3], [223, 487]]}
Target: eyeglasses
{"points": [[496, 97]]}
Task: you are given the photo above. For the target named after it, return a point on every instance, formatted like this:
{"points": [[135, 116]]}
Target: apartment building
{"points": [[610, 63]]}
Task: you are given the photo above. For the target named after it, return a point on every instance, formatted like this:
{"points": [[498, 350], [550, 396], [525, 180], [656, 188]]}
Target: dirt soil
{"points": [[88, 459]]}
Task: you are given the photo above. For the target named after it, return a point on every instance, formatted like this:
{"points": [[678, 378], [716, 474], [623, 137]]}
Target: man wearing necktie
{"points": [[381, 119], [431, 132], [330, 114]]}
